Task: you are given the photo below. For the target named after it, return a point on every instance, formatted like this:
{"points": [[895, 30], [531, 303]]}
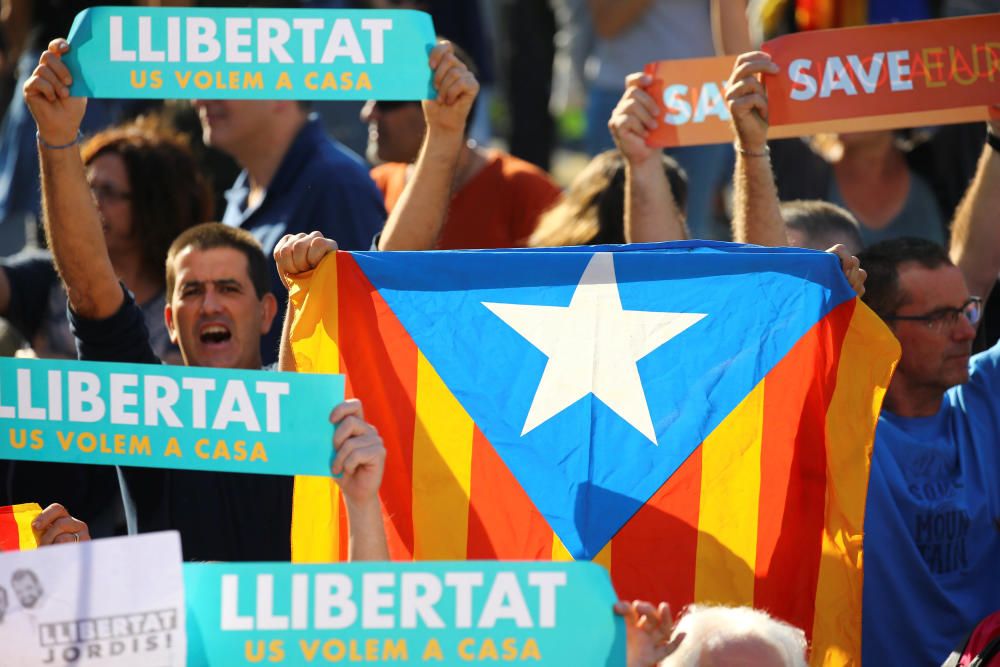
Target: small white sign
{"points": [[114, 602]]}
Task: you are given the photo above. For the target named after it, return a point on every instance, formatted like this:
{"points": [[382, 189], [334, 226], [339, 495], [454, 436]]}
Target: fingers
{"points": [[350, 407], [851, 266], [636, 113], [299, 253], [55, 526], [452, 79], [359, 452], [53, 61]]}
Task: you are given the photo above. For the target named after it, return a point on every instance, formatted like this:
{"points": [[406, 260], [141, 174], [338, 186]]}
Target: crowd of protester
{"points": [[913, 215]]}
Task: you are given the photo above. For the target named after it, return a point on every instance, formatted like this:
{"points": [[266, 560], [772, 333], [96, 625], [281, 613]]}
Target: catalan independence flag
{"points": [[696, 417], [15, 526]]}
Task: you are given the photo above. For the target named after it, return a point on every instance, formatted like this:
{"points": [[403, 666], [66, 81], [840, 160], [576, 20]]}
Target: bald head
{"points": [[736, 637]]}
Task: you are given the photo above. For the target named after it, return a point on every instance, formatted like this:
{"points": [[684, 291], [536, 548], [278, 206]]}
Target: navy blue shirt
{"points": [[221, 516], [319, 186]]}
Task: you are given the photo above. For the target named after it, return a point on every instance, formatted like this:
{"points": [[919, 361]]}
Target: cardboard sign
{"points": [[117, 602], [267, 54], [870, 78], [167, 416], [404, 613]]}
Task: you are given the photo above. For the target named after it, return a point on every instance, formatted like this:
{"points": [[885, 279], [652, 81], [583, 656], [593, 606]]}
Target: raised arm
{"points": [[756, 210], [73, 225], [613, 17], [360, 463], [416, 220], [295, 256], [730, 28], [651, 213], [975, 231]]}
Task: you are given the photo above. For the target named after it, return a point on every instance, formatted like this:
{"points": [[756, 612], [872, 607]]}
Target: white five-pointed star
{"points": [[593, 346]]}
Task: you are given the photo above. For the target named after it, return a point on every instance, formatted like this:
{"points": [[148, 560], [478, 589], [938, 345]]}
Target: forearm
{"points": [[612, 17], [651, 213], [730, 29], [286, 360], [756, 212], [75, 235], [975, 233], [416, 221], [366, 532]]}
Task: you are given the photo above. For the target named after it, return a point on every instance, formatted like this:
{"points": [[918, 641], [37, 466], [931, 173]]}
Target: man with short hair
{"points": [[218, 307], [932, 522], [26, 587], [820, 225]]}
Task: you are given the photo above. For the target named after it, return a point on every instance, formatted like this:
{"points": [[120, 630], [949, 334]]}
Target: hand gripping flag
{"points": [[15, 527], [697, 417]]}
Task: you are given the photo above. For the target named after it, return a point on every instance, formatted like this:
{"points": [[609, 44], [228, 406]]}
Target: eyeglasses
{"points": [[944, 319], [108, 193]]}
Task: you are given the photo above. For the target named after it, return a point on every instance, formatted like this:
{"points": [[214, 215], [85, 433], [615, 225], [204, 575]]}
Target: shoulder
{"points": [[523, 177]]}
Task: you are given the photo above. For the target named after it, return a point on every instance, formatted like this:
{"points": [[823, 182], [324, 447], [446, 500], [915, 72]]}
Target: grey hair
{"points": [[707, 627]]}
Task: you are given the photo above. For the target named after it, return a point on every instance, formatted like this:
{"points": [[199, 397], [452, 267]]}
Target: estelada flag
{"points": [[15, 526], [697, 417]]}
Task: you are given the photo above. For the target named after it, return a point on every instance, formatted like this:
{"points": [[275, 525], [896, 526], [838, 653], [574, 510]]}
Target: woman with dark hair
{"points": [[592, 210], [148, 190]]}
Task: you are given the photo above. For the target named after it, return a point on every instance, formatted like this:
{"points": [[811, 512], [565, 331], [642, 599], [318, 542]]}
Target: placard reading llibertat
{"points": [[240, 53], [181, 417]]}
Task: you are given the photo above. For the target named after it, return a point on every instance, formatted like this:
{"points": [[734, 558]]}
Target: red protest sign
{"points": [[886, 69]]}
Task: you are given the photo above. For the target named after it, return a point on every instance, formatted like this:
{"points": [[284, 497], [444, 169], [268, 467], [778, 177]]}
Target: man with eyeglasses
{"points": [[932, 521]]}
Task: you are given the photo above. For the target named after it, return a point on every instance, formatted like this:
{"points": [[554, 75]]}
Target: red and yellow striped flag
{"points": [[15, 527], [768, 511]]}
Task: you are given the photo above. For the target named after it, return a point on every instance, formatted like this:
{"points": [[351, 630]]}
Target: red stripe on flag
{"points": [[517, 530], [380, 359], [9, 538], [653, 555], [792, 511]]}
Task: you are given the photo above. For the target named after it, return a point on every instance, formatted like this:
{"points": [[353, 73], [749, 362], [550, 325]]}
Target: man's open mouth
{"points": [[214, 334]]}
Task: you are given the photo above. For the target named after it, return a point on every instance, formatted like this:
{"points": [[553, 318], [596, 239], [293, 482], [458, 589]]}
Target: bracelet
{"points": [[742, 151], [45, 144], [993, 141]]}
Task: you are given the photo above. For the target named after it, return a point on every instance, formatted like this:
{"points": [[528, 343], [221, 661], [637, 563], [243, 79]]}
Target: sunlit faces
{"points": [[932, 359], [395, 130], [214, 314], [109, 184]]}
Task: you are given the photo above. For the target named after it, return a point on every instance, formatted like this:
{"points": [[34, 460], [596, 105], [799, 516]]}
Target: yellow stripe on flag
{"points": [[561, 553], [727, 520], [316, 500], [24, 514], [867, 359], [442, 469]]}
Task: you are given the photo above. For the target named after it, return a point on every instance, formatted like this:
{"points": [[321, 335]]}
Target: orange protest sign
{"points": [[886, 69], [869, 78]]}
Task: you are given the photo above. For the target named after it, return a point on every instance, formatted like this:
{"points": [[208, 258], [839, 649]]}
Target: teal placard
{"points": [[266, 54], [401, 613], [167, 416]]}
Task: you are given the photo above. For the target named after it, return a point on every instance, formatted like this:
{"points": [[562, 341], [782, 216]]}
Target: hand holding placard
{"points": [[47, 95]]}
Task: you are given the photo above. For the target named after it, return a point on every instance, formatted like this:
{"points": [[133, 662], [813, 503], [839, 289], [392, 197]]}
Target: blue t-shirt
{"points": [[319, 186], [932, 545]]}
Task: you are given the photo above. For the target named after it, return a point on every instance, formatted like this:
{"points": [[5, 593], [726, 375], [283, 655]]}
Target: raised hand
{"points": [[46, 92], [747, 100], [456, 90]]}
